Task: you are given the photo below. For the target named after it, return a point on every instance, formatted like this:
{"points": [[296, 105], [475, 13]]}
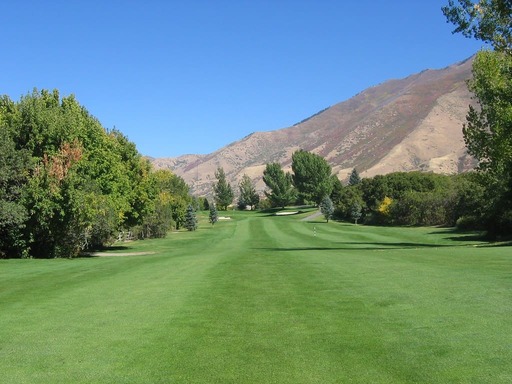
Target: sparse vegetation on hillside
{"points": [[359, 132]]}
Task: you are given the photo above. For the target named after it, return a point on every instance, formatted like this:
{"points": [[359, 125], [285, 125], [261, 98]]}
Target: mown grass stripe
{"points": [[262, 299]]}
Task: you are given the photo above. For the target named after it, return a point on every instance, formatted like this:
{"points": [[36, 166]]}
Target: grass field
{"points": [[264, 299]]}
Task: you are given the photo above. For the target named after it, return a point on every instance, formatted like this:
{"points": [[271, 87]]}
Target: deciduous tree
{"points": [[311, 176], [488, 132], [486, 20], [14, 170]]}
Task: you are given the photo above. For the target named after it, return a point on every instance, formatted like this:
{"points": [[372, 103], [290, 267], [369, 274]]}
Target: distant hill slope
{"points": [[400, 125]]}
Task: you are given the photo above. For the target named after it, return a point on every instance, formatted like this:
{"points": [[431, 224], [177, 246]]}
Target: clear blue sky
{"points": [[191, 76]]}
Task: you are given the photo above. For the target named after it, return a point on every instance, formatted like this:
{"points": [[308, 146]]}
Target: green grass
{"points": [[264, 299]]}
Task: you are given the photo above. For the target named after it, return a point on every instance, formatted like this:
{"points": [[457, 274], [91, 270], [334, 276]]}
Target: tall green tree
{"points": [[14, 170], [248, 195], [311, 176], [85, 183], [173, 195], [281, 190], [222, 190], [486, 20], [350, 196], [488, 132]]}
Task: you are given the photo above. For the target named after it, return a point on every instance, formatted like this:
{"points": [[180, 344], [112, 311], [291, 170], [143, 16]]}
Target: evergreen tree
{"points": [[282, 192], [327, 207], [190, 218], [354, 178], [248, 195], [222, 190], [337, 189], [214, 217], [356, 212]]}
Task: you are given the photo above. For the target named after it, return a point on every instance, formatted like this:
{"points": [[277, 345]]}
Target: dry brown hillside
{"points": [[400, 125]]}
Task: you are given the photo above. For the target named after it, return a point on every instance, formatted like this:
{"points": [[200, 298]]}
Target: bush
{"points": [[468, 222]]}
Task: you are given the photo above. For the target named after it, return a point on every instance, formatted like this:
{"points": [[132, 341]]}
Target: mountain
{"points": [[408, 124]]}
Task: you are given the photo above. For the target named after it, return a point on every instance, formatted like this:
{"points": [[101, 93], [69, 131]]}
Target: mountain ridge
{"points": [[413, 123]]}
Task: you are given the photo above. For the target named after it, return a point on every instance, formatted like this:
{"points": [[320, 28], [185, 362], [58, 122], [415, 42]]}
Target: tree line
{"points": [[400, 198], [67, 184], [481, 199]]}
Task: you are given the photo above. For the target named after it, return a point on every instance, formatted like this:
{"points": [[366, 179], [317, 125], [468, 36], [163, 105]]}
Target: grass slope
{"points": [[264, 299]]}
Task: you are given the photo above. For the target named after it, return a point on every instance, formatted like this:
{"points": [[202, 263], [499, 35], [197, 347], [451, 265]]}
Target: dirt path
{"points": [[312, 217]]}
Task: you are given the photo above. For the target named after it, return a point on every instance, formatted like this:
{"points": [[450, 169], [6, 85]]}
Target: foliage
{"points": [[14, 170], [421, 208], [311, 176], [213, 217], [173, 198], [327, 207], [486, 20], [356, 211], [488, 132], [282, 192], [222, 190], [190, 219], [384, 206], [248, 195], [354, 178], [83, 184], [266, 204], [414, 198], [204, 205], [337, 189], [350, 197]]}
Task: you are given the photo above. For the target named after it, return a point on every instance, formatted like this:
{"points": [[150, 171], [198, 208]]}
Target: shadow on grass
{"points": [[459, 235], [365, 246], [91, 252]]}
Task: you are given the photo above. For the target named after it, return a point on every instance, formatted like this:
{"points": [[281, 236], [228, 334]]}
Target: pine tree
{"points": [[214, 217], [354, 178], [356, 212], [222, 190], [282, 192], [327, 207], [248, 194], [190, 218]]}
